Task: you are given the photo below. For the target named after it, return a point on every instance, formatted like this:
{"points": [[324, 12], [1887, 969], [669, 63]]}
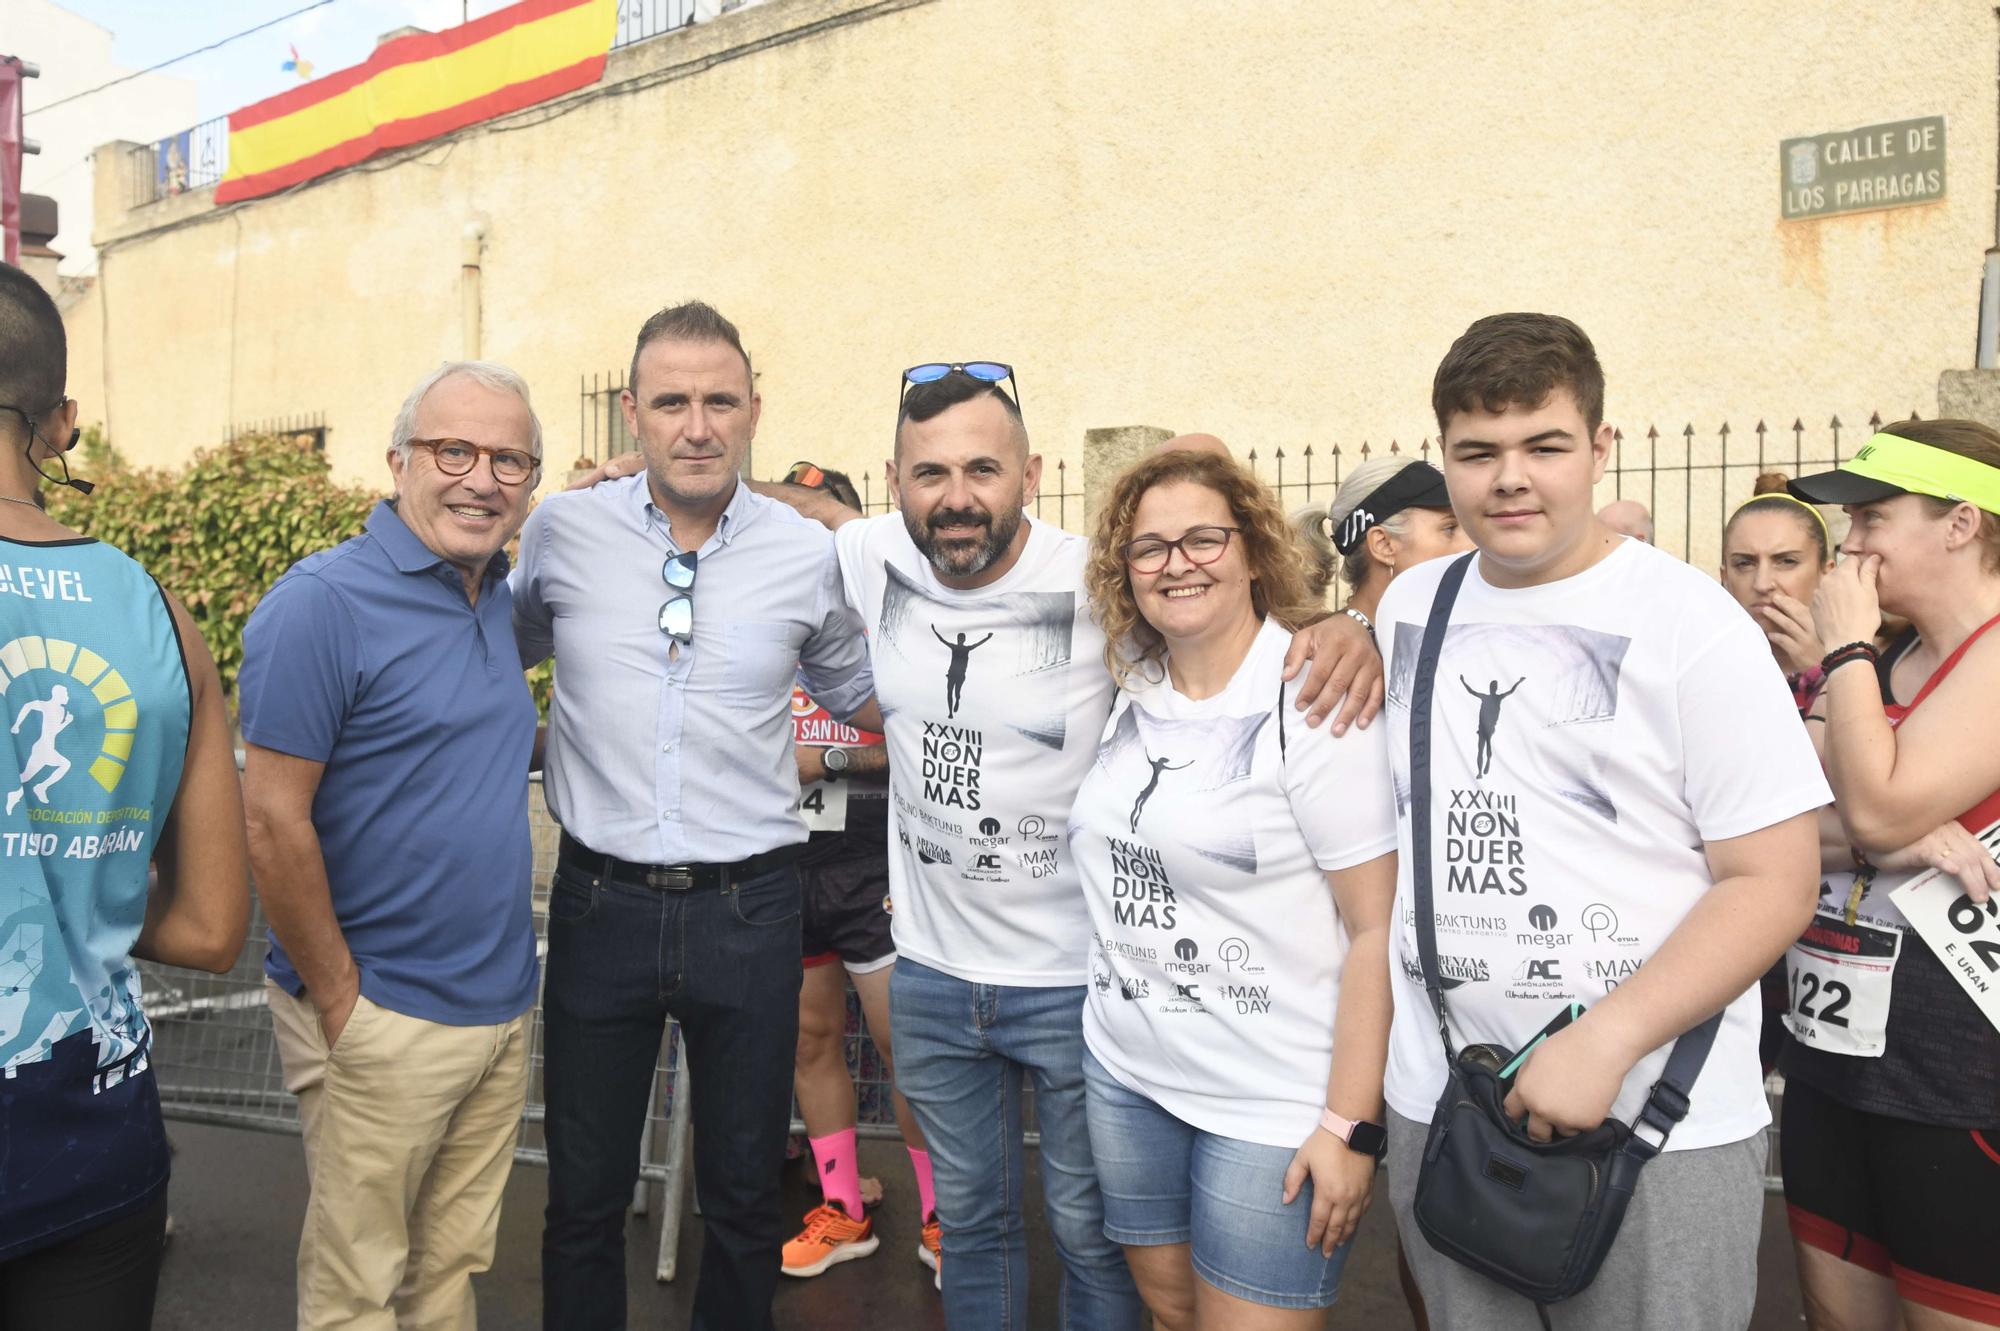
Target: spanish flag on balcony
{"points": [[415, 88]]}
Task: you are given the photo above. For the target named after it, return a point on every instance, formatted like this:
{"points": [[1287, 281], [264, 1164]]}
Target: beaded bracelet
{"points": [[1853, 651]]}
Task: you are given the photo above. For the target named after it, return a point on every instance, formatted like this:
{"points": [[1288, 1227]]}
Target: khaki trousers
{"points": [[409, 1133]]}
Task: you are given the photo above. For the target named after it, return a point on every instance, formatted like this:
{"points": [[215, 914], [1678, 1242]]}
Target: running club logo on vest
{"points": [[71, 720], [79, 718]]}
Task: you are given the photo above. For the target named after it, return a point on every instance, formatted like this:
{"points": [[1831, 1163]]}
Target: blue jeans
{"points": [[1167, 1182], [622, 960], [962, 1051]]}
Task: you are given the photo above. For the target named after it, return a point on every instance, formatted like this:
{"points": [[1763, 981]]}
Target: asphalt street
{"points": [[238, 1199]]}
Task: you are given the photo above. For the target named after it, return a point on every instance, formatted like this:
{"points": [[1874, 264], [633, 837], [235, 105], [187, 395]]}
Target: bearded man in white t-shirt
{"points": [[995, 692], [1637, 837]]}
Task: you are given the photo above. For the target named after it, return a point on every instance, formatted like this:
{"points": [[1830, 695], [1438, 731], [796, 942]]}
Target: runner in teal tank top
{"points": [[87, 652], [114, 750]]}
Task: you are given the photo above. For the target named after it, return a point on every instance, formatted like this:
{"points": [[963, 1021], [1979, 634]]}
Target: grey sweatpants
{"points": [[1685, 1260]]}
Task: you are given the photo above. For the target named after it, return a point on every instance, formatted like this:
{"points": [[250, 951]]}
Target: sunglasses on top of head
{"points": [[985, 371]]}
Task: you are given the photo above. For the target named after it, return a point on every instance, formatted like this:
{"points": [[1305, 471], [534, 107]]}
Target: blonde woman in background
{"points": [[1390, 515]]}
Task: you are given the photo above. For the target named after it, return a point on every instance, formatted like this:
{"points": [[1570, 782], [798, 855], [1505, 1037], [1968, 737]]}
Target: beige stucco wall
{"points": [[1265, 220]]}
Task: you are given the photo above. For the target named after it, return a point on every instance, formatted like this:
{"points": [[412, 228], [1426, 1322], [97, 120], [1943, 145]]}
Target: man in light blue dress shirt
{"points": [[680, 607]]}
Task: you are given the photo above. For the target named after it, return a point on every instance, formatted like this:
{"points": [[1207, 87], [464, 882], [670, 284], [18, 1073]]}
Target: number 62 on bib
{"points": [[1964, 934]]}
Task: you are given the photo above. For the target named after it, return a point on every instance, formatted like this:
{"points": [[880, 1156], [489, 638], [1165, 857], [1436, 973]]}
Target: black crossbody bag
{"points": [[1537, 1217]]}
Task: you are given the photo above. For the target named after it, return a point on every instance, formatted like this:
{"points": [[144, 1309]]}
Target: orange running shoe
{"points": [[931, 1250], [830, 1237]]}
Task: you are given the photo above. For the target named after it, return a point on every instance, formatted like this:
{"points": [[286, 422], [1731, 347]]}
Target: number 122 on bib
{"points": [[1840, 975]]}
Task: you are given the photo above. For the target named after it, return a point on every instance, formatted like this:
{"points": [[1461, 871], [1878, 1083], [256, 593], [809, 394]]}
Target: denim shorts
{"points": [[1165, 1182]]}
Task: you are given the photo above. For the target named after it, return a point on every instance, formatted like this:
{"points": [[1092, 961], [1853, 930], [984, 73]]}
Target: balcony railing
{"points": [[190, 160]]}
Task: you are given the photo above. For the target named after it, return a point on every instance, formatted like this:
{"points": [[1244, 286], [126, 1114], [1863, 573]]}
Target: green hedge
{"points": [[219, 531]]}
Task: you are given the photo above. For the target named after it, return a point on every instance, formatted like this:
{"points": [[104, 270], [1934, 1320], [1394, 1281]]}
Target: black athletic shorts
{"points": [[1905, 1200], [103, 1278], [845, 901]]}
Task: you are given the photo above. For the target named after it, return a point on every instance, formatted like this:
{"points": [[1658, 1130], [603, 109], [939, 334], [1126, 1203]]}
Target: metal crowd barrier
{"points": [[216, 1062]]}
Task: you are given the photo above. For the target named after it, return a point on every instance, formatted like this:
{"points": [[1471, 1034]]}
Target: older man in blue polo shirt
{"points": [[679, 606], [389, 734]]}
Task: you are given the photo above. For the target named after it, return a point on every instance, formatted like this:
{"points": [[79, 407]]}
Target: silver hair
{"points": [[1321, 556], [1363, 481], [488, 374]]}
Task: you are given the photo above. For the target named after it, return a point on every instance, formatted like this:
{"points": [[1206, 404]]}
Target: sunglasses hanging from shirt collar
{"points": [[677, 611]]}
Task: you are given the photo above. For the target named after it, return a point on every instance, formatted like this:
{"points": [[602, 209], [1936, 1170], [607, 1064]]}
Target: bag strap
{"points": [[1281, 723], [1420, 784], [1667, 1103]]}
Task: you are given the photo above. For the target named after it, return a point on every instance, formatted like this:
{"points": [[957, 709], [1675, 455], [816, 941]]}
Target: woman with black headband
{"points": [[1891, 1127], [1388, 516]]}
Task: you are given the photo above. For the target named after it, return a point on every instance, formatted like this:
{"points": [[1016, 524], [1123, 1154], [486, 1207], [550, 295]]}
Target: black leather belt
{"points": [[671, 877]]}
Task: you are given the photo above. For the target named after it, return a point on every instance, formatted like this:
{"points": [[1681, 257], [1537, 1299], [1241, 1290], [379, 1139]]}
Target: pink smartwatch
{"points": [[1360, 1136]]}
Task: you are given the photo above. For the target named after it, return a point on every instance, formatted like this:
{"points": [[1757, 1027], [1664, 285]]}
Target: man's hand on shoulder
{"points": [[611, 469], [815, 504], [1344, 664]]}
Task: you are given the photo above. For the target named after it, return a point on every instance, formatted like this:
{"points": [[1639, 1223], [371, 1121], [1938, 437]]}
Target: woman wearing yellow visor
{"points": [[1891, 1131]]}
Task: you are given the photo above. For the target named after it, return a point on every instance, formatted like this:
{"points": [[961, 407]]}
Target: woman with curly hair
{"points": [[1239, 869]]}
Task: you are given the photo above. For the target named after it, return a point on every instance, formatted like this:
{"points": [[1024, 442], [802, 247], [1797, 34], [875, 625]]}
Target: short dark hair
{"points": [[924, 401], [34, 349], [692, 321], [841, 486], [1509, 360]]}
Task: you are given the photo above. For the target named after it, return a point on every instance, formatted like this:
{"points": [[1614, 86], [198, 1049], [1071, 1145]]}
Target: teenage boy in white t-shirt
{"points": [[995, 692], [1622, 817]]}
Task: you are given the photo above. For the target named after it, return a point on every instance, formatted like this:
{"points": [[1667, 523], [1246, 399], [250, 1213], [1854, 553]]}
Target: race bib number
{"points": [[1840, 976], [824, 806], [1964, 934]]}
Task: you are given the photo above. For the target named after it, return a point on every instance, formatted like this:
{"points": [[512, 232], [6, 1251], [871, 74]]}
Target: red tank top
{"points": [[1983, 814], [1942, 1064]]}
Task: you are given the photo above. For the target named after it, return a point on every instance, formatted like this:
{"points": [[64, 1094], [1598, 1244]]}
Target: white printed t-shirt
{"points": [[1217, 954], [993, 701], [1588, 737]]}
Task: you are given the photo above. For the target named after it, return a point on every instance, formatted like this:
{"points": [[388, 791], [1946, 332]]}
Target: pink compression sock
{"points": [[920, 1161], [839, 1171]]}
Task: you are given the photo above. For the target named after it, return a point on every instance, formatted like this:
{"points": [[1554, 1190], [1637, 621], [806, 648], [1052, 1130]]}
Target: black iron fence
{"points": [[601, 433], [190, 160], [639, 20], [600, 419], [1055, 502], [1689, 478], [305, 430]]}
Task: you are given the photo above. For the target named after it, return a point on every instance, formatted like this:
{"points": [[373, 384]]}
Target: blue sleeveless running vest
{"points": [[93, 734]]}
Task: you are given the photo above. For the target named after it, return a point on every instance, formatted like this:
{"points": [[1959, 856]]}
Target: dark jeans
{"points": [[621, 960], [103, 1278]]}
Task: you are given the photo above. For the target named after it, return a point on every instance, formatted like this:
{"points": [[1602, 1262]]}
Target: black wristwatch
{"points": [[835, 761]]}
